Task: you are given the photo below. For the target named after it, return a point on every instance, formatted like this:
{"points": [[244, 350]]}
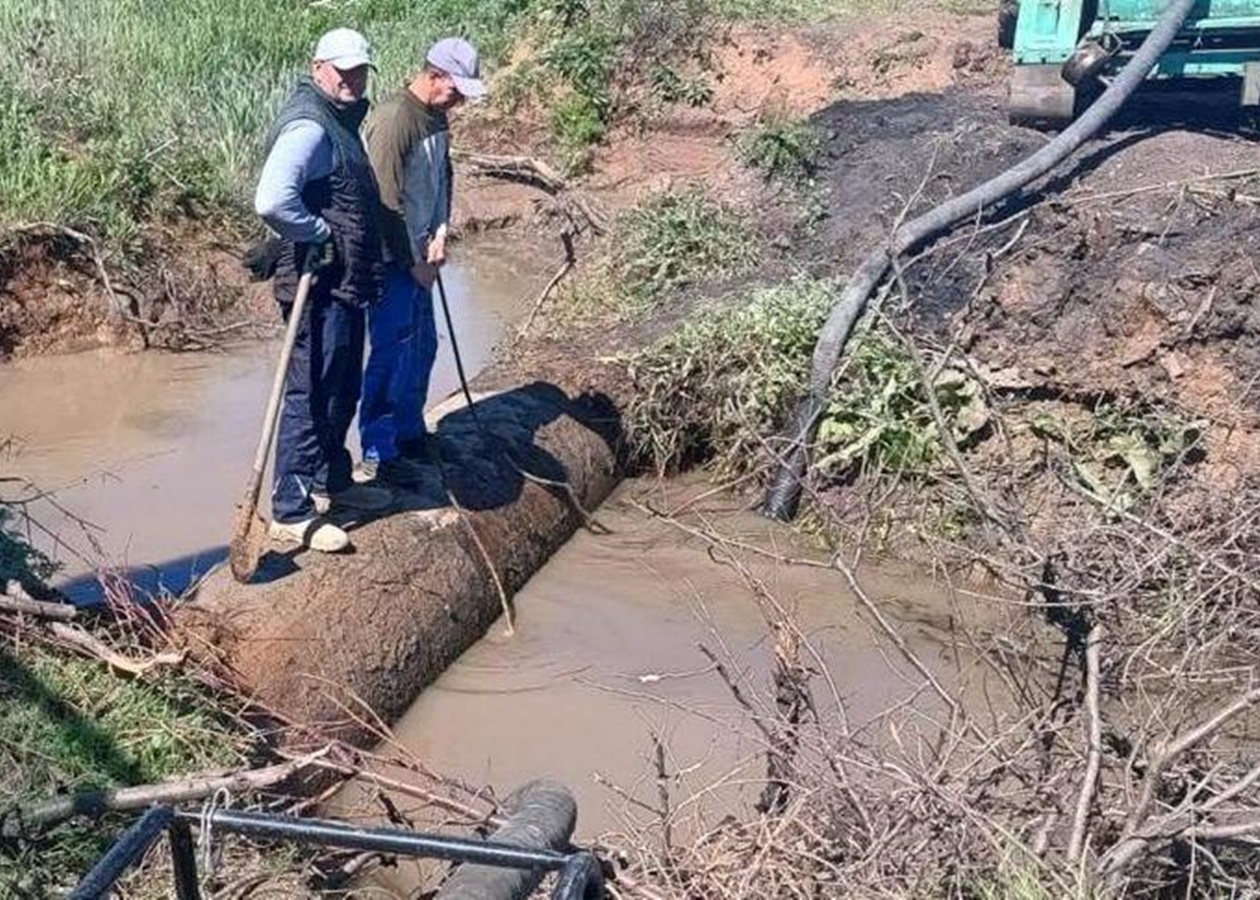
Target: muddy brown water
{"points": [[611, 651], [151, 450], [612, 636]]}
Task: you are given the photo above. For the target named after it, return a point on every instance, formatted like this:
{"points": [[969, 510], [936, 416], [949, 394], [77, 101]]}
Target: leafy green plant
{"points": [[1120, 450], [594, 60], [576, 124], [675, 238], [720, 383], [583, 58], [879, 415], [670, 87], [782, 149]]}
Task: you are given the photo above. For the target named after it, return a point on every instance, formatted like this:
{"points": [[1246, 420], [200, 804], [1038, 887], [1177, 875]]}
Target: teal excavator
{"points": [[1065, 49]]}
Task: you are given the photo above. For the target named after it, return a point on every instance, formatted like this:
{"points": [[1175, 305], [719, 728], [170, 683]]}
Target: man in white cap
{"points": [[318, 193], [408, 143]]}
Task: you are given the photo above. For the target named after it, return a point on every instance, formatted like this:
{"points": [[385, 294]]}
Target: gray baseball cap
{"points": [[458, 58]]}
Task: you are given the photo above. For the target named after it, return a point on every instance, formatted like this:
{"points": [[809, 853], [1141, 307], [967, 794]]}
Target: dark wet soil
{"points": [[1128, 271]]}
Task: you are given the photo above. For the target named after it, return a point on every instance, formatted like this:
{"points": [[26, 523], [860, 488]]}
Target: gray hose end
{"points": [[541, 816]]}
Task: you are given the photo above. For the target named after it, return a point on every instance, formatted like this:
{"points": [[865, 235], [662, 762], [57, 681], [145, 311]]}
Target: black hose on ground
{"points": [[541, 816], [783, 496]]}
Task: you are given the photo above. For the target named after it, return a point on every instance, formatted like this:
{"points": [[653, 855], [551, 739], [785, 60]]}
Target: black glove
{"points": [[262, 258], [317, 257]]}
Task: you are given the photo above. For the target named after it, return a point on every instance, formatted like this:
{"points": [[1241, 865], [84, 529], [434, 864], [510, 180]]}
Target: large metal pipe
{"points": [[783, 496]]}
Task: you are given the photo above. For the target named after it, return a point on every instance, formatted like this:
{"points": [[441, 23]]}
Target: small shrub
{"points": [[670, 87], [783, 149], [584, 59], [576, 123], [726, 378], [675, 238], [610, 54]]}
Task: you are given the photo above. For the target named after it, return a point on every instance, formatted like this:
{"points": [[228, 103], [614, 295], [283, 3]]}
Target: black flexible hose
{"points": [[783, 496], [542, 816]]}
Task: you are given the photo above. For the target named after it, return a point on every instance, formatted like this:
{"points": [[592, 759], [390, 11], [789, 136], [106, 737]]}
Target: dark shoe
{"points": [[356, 498], [401, 470], [416, 449]]}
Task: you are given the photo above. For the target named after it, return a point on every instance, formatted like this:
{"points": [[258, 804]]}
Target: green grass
{"points": [[116, 112], [68, 725]]}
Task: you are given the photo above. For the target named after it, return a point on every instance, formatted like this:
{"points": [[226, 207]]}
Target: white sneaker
{"points": [[315, 533], [357, 497]]}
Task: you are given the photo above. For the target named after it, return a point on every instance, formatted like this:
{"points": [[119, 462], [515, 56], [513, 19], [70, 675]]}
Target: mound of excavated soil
{"points": [[1130, 274]]}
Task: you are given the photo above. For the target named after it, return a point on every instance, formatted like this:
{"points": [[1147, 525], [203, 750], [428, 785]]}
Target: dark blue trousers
{"points": [[403, 338], [320, 394]]}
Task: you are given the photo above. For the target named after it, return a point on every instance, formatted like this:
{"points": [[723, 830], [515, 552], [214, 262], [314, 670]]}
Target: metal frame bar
{"points": [[581, 877]]}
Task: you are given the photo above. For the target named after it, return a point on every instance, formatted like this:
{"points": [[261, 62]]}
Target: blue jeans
{"points": [[402, 336], [321, 389]]}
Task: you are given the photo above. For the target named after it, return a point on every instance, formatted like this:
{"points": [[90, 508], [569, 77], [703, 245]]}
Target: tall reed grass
{"points": [[113, 112]]}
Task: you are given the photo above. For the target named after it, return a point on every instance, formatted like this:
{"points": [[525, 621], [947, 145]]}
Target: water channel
{"points": [[145, 455], [613, 636]]}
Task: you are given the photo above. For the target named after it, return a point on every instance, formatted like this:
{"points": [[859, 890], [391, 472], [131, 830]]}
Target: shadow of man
{"points": [[483, 455]]}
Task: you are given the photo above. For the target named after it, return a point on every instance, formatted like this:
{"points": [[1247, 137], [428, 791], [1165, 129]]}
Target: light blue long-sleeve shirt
{"points": [[302, 153]]}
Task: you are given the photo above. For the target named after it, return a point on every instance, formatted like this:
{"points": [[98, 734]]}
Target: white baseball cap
{"points": [[344, 48], [458, 58]]}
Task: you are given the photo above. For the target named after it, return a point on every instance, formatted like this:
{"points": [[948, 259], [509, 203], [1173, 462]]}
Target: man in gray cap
{"points": [[408, 143], [317, 192]]}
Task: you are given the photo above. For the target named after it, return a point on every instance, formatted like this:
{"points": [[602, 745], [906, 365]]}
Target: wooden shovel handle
{"points": [[282, 370]]}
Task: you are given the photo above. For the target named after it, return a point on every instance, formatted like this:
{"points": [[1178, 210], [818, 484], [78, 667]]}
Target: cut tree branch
{"points": [[535, 173], [1093, 663], [18, 821]]}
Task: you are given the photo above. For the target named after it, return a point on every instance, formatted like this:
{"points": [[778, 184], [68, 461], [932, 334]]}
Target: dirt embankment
{"points": [[1127, 280], [184, 289]]}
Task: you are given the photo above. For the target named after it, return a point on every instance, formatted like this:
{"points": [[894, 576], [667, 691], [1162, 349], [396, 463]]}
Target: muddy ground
{"points": [[1120, 278], [1126, 281]]}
